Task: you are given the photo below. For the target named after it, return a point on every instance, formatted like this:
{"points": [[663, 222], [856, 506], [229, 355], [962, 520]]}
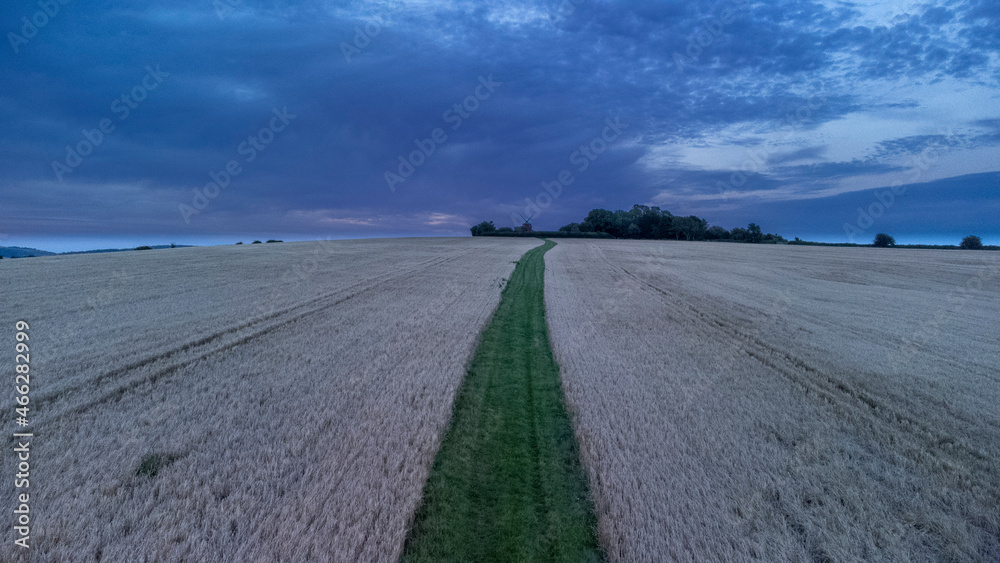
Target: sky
{"points": [[212, 121]]}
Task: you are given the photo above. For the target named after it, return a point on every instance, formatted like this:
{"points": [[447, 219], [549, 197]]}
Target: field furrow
{"points": [[761, 403], [847, 399], [116, 382], [302, 433]]}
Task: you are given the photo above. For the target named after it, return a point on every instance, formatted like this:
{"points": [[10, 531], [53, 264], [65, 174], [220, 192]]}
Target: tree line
{"points": [[971, 242], [644, 222]]}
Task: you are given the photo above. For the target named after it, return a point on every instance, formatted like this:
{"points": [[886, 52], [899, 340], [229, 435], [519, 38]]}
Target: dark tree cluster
{"points": [[646, 222], [883, 240], [971, 242], [483, 229]]}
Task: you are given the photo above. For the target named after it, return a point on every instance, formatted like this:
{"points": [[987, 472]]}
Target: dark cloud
{"points": [[918, 143], [943, 211], [675, 72], [830, 170], [807, 153]]}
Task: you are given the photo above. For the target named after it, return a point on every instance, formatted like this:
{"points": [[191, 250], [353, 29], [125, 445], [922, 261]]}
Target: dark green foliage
{"points": [[644, 222], [241, 242], [273, 240], [716, 233], [883, 240], [971, 242], [689, 228], [545, 234], [152, 464], [912, 246], [507, 484], [484, 228], [255, 242], [639, 222], [144, 247]]}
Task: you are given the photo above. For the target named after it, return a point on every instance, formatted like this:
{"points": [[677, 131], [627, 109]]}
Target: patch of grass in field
{"points": [[151, 464], [507, 483]]}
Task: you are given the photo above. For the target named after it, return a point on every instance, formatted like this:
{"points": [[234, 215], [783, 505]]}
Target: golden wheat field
{"points": [[284, 402], [276, 402], [782, 403]]}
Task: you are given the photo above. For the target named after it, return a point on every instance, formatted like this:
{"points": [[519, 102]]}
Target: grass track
{"points": [[507, 483]]}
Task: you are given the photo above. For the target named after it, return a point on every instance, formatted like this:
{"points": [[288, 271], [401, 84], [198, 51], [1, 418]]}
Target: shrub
{"points": [[144, 247], [484, 228], [883, 240], [273, 240], [971, 242], [152, 464], [241, 242], [255, 242]]}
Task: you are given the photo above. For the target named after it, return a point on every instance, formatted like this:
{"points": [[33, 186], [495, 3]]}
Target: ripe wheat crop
{"points": [[777, 403], [243, 403]]}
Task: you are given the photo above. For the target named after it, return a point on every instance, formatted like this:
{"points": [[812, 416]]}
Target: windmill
{"points": [[526, 226]]}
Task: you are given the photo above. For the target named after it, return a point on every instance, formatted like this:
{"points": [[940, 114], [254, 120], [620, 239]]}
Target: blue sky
{"points": [[121, 118]]}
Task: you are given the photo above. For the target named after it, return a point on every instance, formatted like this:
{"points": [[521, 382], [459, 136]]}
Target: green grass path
{"points": [[507, 483]]}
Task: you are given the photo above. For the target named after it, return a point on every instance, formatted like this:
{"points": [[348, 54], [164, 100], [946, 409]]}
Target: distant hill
{"points": [[126, 249], [22, 252]]}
